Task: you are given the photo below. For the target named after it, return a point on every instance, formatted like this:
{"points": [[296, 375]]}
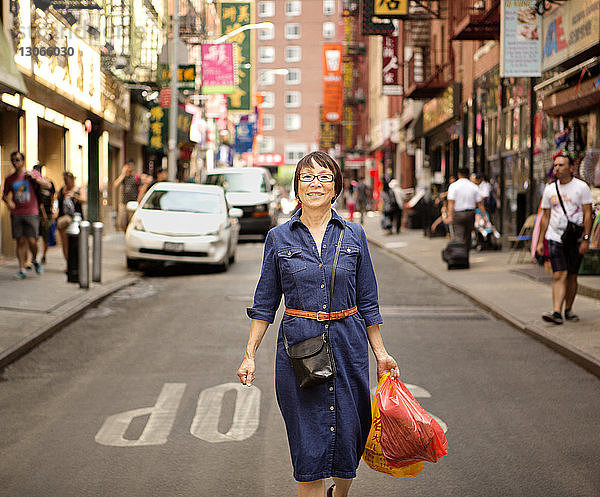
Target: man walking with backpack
{"points": [[566, 224]]}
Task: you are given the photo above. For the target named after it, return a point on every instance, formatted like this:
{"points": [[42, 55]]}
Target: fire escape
{"points": [[430, 66], [475, 19]]}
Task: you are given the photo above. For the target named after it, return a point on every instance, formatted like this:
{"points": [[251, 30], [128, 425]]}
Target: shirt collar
{"points": [[295, 219]]}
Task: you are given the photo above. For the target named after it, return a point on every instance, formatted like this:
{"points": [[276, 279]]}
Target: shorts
{"points": [[25, 225], [564, 257]]}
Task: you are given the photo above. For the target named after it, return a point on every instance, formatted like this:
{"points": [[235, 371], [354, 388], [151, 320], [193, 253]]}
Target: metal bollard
{"points": [[84, 254], [97, 251], [73, 250]]}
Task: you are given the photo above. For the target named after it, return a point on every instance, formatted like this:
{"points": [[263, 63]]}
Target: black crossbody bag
{"points": [[573, 232], [312, 359]]}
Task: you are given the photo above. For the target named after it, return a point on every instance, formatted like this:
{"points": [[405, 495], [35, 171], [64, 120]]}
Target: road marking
{"points": [[158, 426], [208, 411]]}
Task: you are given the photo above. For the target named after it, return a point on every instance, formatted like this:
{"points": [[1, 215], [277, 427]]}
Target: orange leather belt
{"points": [[321, 316]]}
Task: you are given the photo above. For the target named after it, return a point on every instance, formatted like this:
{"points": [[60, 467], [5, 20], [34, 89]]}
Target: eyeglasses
{"points": [[323, 178]]}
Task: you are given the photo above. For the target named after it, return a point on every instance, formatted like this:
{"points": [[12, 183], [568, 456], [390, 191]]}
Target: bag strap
{"points": [[560, 200], [331, 286]]}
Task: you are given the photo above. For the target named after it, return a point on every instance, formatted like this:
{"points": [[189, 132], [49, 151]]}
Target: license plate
{"points": [[173, 246]]}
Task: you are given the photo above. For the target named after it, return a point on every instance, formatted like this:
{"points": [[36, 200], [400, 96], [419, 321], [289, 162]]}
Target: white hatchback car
{"points": [[183, 222]]}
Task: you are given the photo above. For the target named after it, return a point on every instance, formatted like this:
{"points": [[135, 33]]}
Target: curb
{"points": [[70, 314], [579, 357]]}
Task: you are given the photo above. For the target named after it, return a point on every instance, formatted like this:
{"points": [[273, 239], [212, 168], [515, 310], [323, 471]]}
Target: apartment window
{"points": [[266, 145], [266, 33], [293, 8], [293, 53], [293, 122], [293, 77], [268, 122], [266, 9], [292, 31], [266, 54], [328, 7], [269, 99], [294, 152], [293, 99], [328, 30], [266, 77]]}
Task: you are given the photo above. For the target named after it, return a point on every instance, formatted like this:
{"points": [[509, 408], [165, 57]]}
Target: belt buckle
{"points": [[320, 313]]}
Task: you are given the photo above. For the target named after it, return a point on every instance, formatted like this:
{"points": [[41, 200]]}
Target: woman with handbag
{"points": [[70, 200], [321, 264]]}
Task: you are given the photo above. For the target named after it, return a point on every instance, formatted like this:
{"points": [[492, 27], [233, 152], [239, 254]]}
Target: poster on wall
{"points": [[520, 40], [234, 15]]}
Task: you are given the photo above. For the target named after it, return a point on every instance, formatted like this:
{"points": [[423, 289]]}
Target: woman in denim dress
{"points": [[327, 425]]}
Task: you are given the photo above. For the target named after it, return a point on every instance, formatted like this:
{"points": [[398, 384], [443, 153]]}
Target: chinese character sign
{"points": [[390, 67], [217, 68], [332, 82], [235, 15], [390, 8], [520, 45]]}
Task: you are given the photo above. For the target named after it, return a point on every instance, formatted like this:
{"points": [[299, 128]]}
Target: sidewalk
{"points": [[516, 293], [33, 309]]}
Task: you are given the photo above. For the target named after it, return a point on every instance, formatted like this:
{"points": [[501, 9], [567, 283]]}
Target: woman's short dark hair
{"points": [[323, 160]]}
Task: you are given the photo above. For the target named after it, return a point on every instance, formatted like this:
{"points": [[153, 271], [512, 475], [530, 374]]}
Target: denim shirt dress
{"points": [[327, 425]]}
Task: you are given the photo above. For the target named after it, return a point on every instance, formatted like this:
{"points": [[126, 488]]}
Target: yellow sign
{"points": [[390, 8]]}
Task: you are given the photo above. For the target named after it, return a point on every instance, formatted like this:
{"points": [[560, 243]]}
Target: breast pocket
{"points": [[291, 260], [348, 257]]}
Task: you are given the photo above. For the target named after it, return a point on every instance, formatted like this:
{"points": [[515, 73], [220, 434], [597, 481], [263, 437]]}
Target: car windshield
{"points": [[247, 181], [185, 201]]}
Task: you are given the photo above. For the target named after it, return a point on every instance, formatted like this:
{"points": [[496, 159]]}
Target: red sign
{"points": [[332, 83], [165, 97], [269, 160], [390, 69]]}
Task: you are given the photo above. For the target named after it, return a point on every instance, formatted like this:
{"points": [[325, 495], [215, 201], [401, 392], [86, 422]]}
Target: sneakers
{"points": [[552, 317], [569, 316], [20, 275], [38, 267]]}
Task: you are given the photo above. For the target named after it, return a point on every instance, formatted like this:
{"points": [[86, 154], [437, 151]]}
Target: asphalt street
{"points": [[139, 397]]}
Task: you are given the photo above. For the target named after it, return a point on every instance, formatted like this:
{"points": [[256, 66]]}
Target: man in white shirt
{"points": [[565, 258], [463, 198]]}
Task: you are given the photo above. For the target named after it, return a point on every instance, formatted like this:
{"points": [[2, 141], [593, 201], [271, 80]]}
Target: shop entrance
{"points": [[51, 150]]}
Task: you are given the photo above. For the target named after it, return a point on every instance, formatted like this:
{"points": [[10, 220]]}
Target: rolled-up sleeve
{"points": [[267, 295], [366, 285]]}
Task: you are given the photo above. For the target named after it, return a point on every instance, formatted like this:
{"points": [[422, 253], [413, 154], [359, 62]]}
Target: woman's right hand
{"points": [[246, 371]]}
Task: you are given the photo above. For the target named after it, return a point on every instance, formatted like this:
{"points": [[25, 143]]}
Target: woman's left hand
{"points": [[387, 364]]}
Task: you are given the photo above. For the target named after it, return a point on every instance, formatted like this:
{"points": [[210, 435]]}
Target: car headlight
{"points": [[137, 224]]}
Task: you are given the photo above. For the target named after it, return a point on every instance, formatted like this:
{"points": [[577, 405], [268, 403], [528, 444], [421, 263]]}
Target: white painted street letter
{"points": [[158, 427], [208, 411]]}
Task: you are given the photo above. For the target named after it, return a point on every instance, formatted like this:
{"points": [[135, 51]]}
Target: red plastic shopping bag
{"points": [[408, 433], [373, 454]]}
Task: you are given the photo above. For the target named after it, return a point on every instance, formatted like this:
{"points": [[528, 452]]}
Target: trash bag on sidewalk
{"points": [[409, 434], [373, 455]]}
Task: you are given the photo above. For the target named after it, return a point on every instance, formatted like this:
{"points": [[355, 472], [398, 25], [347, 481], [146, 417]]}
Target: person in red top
{"points": [[20, 194]]}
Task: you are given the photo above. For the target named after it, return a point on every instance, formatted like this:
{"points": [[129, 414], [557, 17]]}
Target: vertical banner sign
{"points": [[332, 82], [157, 129], [390, 71], [218, 74], [233, 16], [349, 89], [520, 44], [244, 137]]}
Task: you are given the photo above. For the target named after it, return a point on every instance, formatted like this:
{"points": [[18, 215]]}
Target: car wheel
{"points": [[232, 258], [132, 263], [224, 266]]}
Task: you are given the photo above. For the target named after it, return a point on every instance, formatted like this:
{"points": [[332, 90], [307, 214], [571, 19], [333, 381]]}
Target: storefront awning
{"points": [[11, 80]]}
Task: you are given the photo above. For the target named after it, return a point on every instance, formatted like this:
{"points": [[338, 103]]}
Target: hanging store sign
{"points": [[218, 74], [216, 106], [332, 82], [159, 127], [269, 160], [390, 9], [244, 137], [569, 30], [186, 76], [439, 110], [520, 44], [373, 25], [233, 15], [390, 72]]}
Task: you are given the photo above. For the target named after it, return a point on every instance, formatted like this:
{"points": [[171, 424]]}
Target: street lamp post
{"points": [[172, 158]]}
